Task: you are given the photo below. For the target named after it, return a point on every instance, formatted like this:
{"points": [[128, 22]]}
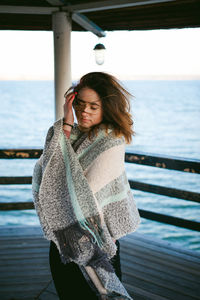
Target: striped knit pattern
{"points": [[83, 198]]}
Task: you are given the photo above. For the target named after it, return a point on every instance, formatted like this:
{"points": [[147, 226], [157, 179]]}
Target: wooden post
{"points": [[62, 58]]}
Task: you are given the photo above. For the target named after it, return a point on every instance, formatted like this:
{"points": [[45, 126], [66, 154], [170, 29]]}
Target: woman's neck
{"points": [[84, 129]]}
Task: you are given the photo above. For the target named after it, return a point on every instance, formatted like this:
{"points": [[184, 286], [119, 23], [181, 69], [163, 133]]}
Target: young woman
{"points": [[81, 192]]}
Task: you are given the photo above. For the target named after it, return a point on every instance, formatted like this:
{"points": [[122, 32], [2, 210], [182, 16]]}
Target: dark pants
{"points": [[68, 278]]}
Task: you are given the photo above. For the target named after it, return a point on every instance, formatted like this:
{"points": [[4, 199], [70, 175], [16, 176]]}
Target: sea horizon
{"points": [[119, 76]]}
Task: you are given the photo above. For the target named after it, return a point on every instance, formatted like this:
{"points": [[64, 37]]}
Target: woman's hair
{"points": [[115, 102]]}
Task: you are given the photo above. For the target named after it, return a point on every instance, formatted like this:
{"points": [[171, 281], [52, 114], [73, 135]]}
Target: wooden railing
{"points": [[165, 162]]}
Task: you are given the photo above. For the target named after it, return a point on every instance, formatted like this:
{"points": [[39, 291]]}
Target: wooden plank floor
{"points": [[152, 270]]}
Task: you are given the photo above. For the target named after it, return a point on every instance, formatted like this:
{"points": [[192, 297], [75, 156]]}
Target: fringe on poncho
{"points": [[84, 202]]}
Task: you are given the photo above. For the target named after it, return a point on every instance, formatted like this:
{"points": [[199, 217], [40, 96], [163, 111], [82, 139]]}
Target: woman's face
{"points": [[88, 108]]}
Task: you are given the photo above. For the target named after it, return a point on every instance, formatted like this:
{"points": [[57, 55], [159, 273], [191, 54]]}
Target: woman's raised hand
{"points": [[68, 112]]}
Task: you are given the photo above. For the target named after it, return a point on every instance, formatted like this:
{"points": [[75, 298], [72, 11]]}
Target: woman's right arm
{"points": [[68, 114]]}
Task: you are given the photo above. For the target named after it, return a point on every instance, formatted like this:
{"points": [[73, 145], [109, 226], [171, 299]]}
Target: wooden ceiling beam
{"points": [[56, 2], [87, 24], [111, 4], [80, 8], [28, 10]]}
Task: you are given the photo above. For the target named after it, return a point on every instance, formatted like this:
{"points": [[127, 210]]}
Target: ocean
{"points": [[166, 116]]}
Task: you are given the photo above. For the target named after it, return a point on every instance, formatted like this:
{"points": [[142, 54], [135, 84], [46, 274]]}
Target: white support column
{"points": [[62, 59]]}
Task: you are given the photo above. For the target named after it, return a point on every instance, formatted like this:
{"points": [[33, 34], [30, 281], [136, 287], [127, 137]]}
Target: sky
{"points": [[173, 53]]}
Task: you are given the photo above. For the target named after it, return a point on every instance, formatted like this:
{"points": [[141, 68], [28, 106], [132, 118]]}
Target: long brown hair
{"points": [[115, 102]]}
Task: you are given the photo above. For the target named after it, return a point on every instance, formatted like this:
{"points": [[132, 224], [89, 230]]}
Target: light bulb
{"points": [[99, 50]]}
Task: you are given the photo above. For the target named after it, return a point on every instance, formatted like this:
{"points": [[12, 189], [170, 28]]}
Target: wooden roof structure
{"points": [[108, 15]]}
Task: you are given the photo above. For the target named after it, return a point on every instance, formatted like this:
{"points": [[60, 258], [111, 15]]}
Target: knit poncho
{"points": [[84, 202]]}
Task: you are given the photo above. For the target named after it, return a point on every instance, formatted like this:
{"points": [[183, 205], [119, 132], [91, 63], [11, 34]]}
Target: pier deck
{"points": [[152, 269]]}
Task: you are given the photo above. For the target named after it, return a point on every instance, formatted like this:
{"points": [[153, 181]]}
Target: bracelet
{"points": [[64, 123]]}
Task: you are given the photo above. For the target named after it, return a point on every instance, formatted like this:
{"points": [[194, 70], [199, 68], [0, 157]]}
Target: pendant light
{"points": [[99, 51]]}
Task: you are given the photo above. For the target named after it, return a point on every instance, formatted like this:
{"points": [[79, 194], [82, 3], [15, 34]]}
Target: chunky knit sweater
{"points": [[84, 202]]}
